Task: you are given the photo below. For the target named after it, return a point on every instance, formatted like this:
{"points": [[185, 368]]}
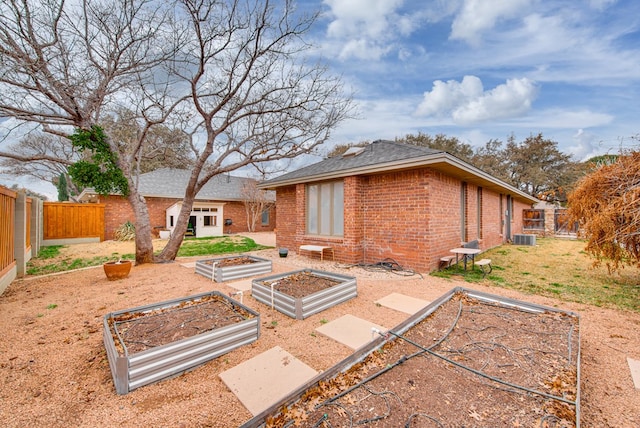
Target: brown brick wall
{"points": [[444, 229], [412, 217], [238, 215], [118, 211]]}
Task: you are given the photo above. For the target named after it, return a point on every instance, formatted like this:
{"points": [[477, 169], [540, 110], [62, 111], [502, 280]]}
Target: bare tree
{"points": [[228, 73], [256, 201], [255, 98], [40, 156], [164, 147], [63, 65]]}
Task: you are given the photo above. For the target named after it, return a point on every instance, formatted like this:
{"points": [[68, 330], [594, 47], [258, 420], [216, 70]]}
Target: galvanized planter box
{"points": [[210, 269], [303, 307], [133, 370], [353, 361]]}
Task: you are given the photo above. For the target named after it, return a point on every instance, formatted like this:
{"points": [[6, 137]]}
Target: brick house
{"points": [[389, 200], [219, 207]]}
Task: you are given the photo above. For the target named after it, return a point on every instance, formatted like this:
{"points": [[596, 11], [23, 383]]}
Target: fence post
{"points": [[36, 226], [20, 236]]}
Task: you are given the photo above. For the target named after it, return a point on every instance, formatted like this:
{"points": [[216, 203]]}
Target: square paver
{"points": [[241, 285], [350, 330], [265, 379], [400, 302]]}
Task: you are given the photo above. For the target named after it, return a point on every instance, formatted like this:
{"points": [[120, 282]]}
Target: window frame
{"points": [[318, 212], [213, 222]]}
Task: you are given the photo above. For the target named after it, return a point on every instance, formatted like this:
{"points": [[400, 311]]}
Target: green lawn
{"points": [[559, 268]]}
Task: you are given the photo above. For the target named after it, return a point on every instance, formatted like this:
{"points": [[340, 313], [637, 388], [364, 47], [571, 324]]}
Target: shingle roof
{"points": [[171, 183], [378, 152], [382, 156]]}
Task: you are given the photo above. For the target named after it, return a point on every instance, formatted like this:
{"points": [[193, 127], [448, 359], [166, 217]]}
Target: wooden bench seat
{"points": [[318, 249], [483, 263]]}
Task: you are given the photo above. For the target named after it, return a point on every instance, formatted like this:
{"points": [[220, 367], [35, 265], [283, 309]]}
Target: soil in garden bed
{"points": [[302, 284], [233, 261], [470, 363], [140, 331]]}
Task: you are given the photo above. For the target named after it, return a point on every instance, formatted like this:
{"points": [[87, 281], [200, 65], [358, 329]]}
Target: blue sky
{"points": [[486, 69], [483, 69]]}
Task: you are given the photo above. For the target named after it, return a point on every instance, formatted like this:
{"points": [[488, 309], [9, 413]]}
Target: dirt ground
{"points": [[54, 371]]}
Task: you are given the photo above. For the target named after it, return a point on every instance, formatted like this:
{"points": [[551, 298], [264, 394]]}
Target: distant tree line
{"points": [[535, 165]]}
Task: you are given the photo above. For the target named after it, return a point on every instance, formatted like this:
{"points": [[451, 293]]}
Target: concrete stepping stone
{"points": [[350, 330], [266, 378], [188, 264], [400, 302], [241, 285]]}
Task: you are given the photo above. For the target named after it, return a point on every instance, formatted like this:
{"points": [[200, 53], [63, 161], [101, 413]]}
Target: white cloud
{"points": [[466, 102], [601, 4], [478, 16], [558, 118], [586, 145], [362, 49], [367, 29], [447, 96], [361, 17]]}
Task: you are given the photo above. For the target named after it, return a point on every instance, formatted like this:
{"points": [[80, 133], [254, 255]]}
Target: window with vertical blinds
{"points": [[325, 209]]}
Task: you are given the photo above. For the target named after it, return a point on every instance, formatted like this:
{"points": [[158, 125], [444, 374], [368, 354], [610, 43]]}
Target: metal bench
{"points": [[318, 249], [483, 263], [446, 261]]}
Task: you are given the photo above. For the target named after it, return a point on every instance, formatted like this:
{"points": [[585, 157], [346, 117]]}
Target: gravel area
{"points": [[54, 371]]}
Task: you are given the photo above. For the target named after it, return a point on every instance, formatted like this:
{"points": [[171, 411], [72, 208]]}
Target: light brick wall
{"points": [[412, 217]]}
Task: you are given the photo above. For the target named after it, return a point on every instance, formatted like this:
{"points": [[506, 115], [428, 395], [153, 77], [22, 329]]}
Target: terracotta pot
{"points": [[117, 270]]}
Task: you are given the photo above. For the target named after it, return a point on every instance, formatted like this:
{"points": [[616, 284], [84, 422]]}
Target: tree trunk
{"points": [[170, 251], [144, 243]]}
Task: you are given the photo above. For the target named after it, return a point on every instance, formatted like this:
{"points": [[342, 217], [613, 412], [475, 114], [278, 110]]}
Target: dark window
{"points": [[210, 220]]}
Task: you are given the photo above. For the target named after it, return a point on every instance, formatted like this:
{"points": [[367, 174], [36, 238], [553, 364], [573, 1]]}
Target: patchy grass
{"points": [[50, 252], [36, 267], [557, 268], [217, 245], [50, 259]]}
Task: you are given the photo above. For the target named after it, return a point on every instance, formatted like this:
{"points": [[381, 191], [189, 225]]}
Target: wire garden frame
{"points": [[468, 358]]}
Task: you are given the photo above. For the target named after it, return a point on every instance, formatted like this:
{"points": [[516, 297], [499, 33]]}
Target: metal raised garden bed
{"points": [[441, 378], [211, 268], [133, 369], [265, 291]]}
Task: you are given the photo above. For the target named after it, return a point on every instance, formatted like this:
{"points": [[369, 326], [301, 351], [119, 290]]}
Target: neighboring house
{"points": [[219, 208], [395, 201], [549, 219]]}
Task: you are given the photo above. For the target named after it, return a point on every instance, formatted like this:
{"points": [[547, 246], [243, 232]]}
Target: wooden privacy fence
{"points": [[7, 237], [548, 221], [533, 220], [63, 220], [19, 233]]}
